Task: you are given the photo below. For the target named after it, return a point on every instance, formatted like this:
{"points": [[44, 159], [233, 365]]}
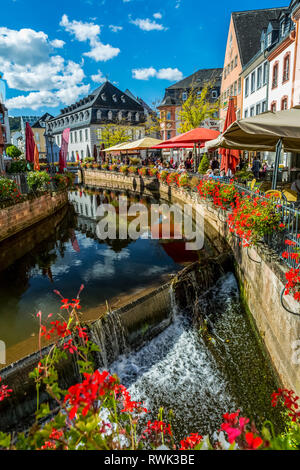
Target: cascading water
{"points": [[202, 375]]}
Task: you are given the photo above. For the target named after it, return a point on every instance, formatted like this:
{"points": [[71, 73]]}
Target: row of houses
{"points": [[261, 69]]}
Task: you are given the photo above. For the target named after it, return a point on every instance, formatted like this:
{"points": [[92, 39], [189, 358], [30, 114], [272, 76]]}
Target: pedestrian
{"points": [[256, 167]]}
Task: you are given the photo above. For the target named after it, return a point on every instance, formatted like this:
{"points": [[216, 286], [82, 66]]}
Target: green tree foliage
{"points": [[115, 134], [15, 124], [198, 107], [204, 164], [13, 151]]}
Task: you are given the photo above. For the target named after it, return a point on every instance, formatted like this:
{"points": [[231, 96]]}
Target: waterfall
{"points": [[111, 337]]}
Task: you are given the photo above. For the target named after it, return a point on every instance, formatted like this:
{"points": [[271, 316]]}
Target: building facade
{"points": [[88, 118], [177, 94], [243, 44], [38, 129], [4, 121]]}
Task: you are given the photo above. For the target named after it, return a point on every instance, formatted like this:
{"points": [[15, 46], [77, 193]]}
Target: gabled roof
{"points": [[102, 97], [43, 118], [198, 79], [248, 27]]}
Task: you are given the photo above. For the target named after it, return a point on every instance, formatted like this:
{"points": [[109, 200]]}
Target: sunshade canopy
{"points": [[262, 132], [175, 145], [141, 144], [199, 135]]}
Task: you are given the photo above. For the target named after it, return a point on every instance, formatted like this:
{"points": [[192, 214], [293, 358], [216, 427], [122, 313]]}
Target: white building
{"points": [[87, 119]]}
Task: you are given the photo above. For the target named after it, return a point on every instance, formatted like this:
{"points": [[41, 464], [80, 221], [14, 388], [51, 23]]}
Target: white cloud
{"points": [[25, 46], [58, 43], [178, 4], [148, 25], [99, 77], [144, 74], [157, 16], [170, 74], [50, 99], [90, 32], [102, 52], [81, 31], [115, 29]]}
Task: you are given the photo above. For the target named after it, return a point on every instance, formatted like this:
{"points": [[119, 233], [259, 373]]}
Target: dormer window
{"points": [[123, 99], [129, 116], [137, 116], [269, 40], [103, 96], [109, 115], [114, 97], [184, 96], [99, 114]]}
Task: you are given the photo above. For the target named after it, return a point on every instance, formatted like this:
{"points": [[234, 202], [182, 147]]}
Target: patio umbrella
{"points": [[30, 143], [230, 158], [36, 165], [95, 152], [64, 150]]}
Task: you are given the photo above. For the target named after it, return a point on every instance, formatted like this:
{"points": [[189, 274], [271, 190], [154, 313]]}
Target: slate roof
{"points": [[198, 78], [95, 100], [43, 118], [248, 27]]}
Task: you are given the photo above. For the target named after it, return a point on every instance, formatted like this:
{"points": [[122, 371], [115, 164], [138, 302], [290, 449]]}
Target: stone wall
{"points": [[261, 277], [20, 216]]}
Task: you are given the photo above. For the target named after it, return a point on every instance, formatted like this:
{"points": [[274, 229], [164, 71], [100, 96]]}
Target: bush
{"points": [[134, 160], [13, 151], [153, 171], [132, 169], [204, 165], [124, 169], [113, 167], [184, 181], [104, 166], [38, 180], [20, 166], [143, 171], [9, 190], [163, 175]]}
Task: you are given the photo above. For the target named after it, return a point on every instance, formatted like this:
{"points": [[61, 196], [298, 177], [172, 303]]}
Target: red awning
{"points": [[199, 136], [174, 146]]}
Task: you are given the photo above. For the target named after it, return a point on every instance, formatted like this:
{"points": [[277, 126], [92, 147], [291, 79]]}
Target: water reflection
{"points": [[72, 254]]}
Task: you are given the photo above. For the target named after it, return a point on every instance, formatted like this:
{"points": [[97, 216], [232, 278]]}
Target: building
{"points": [[243, 44], [87, 119], [38, 129], [17, 140], [296, 74], [176, 94], [282, 60], [4, 121]]}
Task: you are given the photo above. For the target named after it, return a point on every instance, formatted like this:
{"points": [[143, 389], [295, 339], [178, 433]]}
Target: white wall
{"points": [[259, 96], [283, 89]]}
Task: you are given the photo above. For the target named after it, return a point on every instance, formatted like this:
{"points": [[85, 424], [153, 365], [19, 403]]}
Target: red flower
{"points": [[70, 346], [253, 442], [191, 441], [4, 391]]}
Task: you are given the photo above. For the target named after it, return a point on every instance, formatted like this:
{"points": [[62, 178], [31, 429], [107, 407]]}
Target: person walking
{"points": [[256, 167]]}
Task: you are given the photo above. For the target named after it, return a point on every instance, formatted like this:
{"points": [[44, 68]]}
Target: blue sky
{"points": [[52, 53]]}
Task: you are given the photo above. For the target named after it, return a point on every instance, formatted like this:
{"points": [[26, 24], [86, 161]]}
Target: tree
{"points": [[204, 165], [152, 126], [197, 108], [13, 151], [113, 134]]}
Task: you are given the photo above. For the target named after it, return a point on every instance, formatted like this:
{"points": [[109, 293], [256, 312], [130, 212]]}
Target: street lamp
{"points": [[50, 139]]}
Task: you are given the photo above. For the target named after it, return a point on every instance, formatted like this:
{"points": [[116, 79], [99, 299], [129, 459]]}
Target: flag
{"points": [[64, 150], [30, 143], [36, 159]]}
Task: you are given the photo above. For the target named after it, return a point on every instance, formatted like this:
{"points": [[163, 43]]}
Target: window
{"points": [[99, 134], [168, 116], [286, 68], [168, 135], [81, 154], [137, 116], [86, 134], [284, 103], [269, 40], [80, 136], [259, 77], [214, 94], [265, 74], [235, 88], [246, 113], [99, 114], [109, 115], [258, 108], [264, 106], [239, 86], [235, 61], [71, 136], [37, 136], [38, 147], [273, 107], [252, 111], [75, 135], [184, 96], [253, 82], [275, 76]]}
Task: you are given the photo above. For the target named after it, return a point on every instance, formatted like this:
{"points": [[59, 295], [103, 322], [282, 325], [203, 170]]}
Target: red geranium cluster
{"points": [[235, 429], [222, 195], [58, 328], [290, 401], [4, 391], [157, 427], [173, 178], [191, 441], [86, 394]]}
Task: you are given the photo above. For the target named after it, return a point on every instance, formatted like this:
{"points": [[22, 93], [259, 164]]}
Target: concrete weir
{"points": [[122, 330]]}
